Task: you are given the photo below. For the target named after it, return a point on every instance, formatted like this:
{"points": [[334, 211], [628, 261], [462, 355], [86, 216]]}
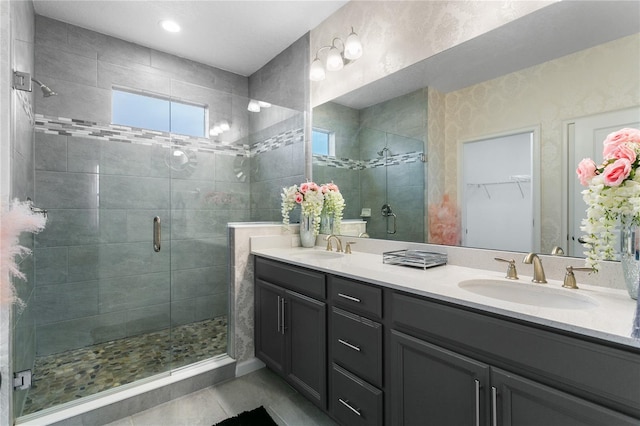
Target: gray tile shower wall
{"points": [[368, 179], [97, 276], [283, 81]]}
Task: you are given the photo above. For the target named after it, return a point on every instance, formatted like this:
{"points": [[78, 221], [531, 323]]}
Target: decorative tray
{"points": [[415, 258]]}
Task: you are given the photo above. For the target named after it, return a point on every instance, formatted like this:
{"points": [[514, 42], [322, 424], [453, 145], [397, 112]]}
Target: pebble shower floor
{"points": [[67, 376]]}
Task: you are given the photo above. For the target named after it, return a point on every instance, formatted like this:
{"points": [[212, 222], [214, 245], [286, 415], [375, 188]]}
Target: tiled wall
{"points": [[343, 170], [22, 186], [283, 81], [98, 277], [367, 179]]}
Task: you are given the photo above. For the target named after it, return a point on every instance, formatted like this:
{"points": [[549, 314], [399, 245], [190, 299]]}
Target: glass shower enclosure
{"points": [[131, 272]]}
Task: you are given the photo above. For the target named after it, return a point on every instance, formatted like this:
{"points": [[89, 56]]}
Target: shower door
{"points": [[131, 270]]}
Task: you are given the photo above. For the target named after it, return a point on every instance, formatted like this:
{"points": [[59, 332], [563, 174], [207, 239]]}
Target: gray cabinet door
{"points": [[269, 338], [522, 402], [306, 331], [433, 386]]}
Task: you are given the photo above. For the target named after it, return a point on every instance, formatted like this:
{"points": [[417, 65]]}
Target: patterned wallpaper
{"points": [[599, 79], [394, 35]]}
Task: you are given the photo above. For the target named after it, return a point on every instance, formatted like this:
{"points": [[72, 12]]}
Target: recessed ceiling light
{"points": [[170, 26]]}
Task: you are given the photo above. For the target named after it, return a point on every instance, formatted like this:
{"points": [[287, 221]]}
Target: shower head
{"points": [[46, 91]]}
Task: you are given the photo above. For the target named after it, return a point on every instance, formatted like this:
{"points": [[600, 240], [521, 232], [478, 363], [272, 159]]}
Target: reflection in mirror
{"points": [[378, 163], [529, 79], [497, 209]]}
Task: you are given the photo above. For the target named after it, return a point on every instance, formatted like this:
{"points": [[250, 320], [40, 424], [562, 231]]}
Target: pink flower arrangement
{"points": [[314, 200], [620, 159], [612, 194], [310, 199]]}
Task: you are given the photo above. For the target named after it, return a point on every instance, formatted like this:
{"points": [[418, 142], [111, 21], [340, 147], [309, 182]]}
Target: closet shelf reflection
{"points": [[514, 179]]}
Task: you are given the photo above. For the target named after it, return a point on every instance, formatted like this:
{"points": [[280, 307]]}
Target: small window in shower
{"points": [[324, 142], [157, 113]]}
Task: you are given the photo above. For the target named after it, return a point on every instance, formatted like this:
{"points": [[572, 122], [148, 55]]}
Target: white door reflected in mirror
{"points": [[498, 193]]}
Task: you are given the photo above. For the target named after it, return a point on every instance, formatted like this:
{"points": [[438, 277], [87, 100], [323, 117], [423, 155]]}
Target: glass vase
{"points": [[630, 256], [307, 237], [326, 224]]}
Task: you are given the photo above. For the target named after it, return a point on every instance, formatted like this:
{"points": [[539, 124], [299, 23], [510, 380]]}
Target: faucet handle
{"points": [[512, 274], [570, 278], [347, 249]]}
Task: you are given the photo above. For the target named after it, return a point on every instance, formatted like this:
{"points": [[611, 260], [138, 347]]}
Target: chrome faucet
{"points": [[338, 243], [538, 271]]}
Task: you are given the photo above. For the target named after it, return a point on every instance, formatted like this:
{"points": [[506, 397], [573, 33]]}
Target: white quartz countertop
{"points": [[609, 316]]}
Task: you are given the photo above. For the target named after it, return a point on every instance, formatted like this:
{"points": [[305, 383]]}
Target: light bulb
{"points": [[352, 46], [170, 26], [334, 60], [316, 71]]}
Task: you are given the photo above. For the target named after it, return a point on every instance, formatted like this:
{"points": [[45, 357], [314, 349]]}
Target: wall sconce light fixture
{"points": [[336, 59]]}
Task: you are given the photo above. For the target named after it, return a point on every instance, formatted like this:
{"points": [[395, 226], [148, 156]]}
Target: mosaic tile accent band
{"points": [[117, 133], [283, 139], [347, 163]]}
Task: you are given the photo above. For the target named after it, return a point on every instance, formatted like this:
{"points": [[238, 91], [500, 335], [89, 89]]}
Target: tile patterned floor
{"points": [[216, 403], [74, 374]]}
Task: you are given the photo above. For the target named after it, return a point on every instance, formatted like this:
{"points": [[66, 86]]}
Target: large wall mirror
{"points": [[398, 140]]}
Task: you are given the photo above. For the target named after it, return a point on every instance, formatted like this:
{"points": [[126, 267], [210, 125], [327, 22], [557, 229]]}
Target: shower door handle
{"points": [[157, 233]]}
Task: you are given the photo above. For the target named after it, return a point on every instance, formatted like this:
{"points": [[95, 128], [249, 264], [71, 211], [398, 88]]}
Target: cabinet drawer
{"points": [[356, 297], [353, 401], [301, 280], [357, 345]]}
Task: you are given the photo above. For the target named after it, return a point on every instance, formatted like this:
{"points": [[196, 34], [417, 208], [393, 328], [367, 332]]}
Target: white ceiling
{"points": [[239, 36]]}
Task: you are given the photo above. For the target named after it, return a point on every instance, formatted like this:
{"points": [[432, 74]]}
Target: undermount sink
{"points": [[317, 255], [528, 294]]}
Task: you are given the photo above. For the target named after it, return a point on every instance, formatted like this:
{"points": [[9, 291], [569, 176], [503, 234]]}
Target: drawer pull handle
{"points": [[283, 319], [346, 404], [279, 315], [349, 345], [353, 299]]}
